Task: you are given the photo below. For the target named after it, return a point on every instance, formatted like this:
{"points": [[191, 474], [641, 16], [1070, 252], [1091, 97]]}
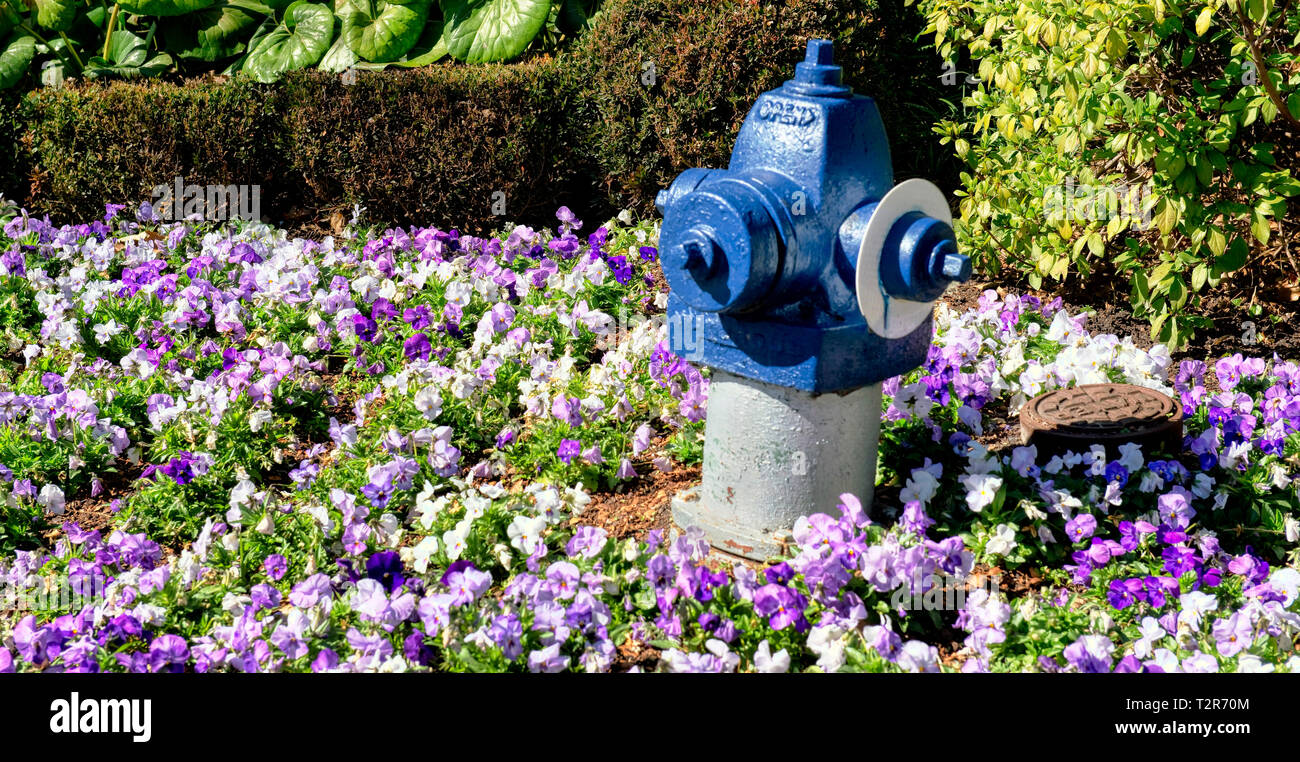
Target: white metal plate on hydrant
{"points": [[887, 316]]}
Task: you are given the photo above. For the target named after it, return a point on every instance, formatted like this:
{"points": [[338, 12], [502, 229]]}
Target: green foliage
{"points": [[382, 31], [164, 7], [440, 144], [213, 33], [300, 41], [1143, 132], [493, 30], [57, 15], [126, 55], [15, 58], [672, 81], [268, 39]]}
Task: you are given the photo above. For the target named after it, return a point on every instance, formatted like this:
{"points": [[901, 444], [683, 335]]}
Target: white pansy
{"points": [[51, 499], [1002, 541], [981, 490], [422, 551]]}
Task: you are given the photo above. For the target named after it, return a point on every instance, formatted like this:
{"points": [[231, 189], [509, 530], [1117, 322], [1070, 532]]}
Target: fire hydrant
{"points": [[804, 278]]}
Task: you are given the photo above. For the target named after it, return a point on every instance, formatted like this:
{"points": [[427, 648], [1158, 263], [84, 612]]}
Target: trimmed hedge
{"points": [[713, 59], [440, 144], [93, 143]]}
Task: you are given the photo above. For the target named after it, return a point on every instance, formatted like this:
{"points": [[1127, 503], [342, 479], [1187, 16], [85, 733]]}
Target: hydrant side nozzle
{"points": [[719, 247]]}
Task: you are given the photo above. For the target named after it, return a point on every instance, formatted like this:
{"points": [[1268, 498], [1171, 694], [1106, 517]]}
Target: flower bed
{"points": [[374, 452]]}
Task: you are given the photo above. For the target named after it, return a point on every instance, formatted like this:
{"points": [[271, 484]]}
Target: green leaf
{"points": [[339, 58], [1203, 20], [214, 33], [1096, 244], [1204, 172], [1177, 292], [9, 18], [128, 56], [431, 47], [164, 7], [389, 33], [479, 31], [300, 41], [1216, 241], [576, 15], [15, 59], [1234, 258], [56, 14], [1199, 275], [1166, 216], [1260, 228]]}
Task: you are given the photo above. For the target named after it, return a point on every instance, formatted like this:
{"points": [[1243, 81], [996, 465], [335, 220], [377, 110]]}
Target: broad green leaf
{"points": [[493, 30], [136, 66], [1177, 292], [1234, 258], [1096, 245], [125, 49], [576, 15], [431, 47], [1216, 241], [15, 58], [128, 56], [9, 18], [1260, 228], [56, 14], [1166, 216], [213, 33], [1199, 275], [384, 30], [339, 58], [164, 7], [299, 42]]}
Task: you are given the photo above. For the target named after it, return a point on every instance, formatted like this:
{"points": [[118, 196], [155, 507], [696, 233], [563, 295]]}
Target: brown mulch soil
{"points": [[639, 506], [634, 653], [94, 512]]}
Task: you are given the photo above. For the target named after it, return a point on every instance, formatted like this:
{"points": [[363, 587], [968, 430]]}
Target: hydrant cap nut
{"points": [[818, 74], [957, 267], [719, 248]]}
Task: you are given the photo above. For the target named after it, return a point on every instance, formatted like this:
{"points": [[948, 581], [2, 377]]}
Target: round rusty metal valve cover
{"points": [[1105, 414]]}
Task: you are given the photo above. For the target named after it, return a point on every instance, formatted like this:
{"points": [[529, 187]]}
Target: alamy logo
{"points": [[53, 593], [77, 715], [1076, 203], [214, 203], [937, 592]]}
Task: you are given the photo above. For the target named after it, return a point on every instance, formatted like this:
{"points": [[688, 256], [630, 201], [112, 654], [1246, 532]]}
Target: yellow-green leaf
{"points": [[1203, 20]]}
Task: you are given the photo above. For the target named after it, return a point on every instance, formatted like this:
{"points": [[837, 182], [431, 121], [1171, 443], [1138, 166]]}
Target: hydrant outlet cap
{"points": [[719, 248], [888, 316]]}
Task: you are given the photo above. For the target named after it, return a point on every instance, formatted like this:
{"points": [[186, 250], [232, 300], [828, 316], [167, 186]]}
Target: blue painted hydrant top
{"points": [[761, 257]]}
